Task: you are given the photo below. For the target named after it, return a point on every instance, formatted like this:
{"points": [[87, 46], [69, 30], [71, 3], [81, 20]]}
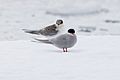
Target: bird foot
{"points": [[65, 50]]}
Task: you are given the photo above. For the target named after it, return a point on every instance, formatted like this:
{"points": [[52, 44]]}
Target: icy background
{"points": [[35, 14], [96, 56]]}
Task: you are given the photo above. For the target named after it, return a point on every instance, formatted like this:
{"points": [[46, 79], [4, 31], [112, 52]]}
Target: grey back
{"points": [[64, 41]]}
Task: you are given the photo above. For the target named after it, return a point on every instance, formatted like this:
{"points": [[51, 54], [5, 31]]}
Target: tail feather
{"points": [[31, 31], [44, 41]]}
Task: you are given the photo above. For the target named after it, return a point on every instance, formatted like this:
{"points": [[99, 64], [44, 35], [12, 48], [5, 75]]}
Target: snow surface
{"points": [[92, 58]]}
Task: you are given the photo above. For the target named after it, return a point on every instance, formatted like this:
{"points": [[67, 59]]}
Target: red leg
{"points": [[63, 49], [66, 50]]}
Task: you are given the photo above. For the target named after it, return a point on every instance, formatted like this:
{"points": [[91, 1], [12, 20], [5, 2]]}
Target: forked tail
{"points": [[43, 41]]}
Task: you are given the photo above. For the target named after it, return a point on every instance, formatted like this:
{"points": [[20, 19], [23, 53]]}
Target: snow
{"points": [[92, 58], [35, 14]]}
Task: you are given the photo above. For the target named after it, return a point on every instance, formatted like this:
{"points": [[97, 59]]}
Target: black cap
{"points": [[71, 31]]}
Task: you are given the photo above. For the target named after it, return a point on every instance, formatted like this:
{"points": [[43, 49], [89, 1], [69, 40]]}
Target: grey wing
{"points": [[50, 30], [64, 41], [32, 31], [47, 31]]}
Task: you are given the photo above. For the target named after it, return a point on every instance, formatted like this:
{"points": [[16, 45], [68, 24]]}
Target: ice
{"points": [[92, 58], [96, 56]]}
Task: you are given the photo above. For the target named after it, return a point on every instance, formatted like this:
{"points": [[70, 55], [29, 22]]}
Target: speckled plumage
{"points": [[47, 31]]}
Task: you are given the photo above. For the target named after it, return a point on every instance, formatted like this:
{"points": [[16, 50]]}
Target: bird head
{"points": [[71, 31], [59, 22]]}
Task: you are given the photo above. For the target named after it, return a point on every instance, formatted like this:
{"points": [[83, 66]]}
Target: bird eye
{"points": [[59, 22]]}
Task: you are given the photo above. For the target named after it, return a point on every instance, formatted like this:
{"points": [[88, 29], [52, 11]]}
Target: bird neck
{"points": [[73, 34], [59, 27]]}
